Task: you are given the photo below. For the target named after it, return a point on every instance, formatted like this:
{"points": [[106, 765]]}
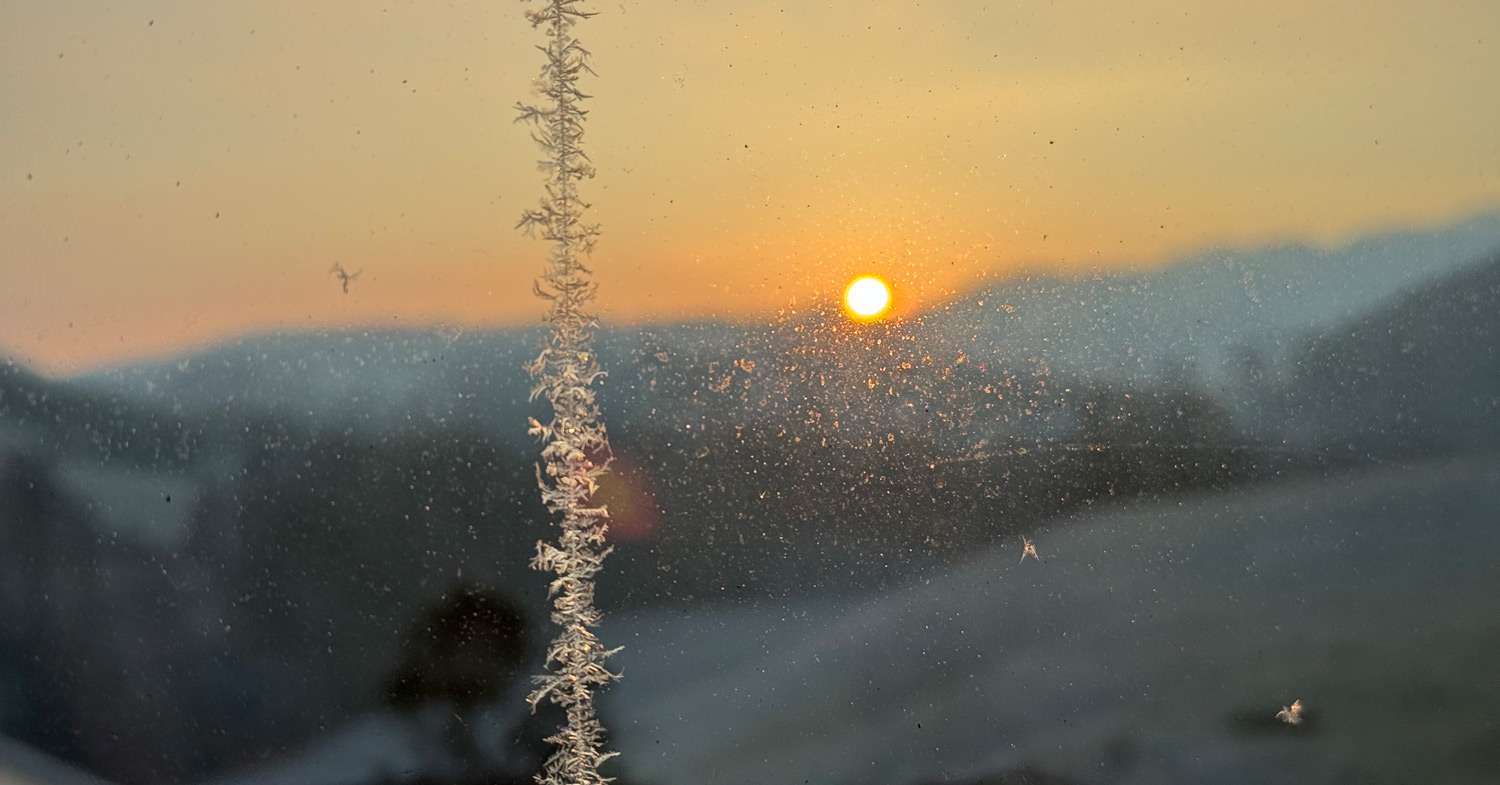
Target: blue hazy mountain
{"points": [[1417, 375], [1188, 317]]}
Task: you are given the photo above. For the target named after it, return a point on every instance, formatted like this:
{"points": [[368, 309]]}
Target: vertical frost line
{"points": [[575, 450]]}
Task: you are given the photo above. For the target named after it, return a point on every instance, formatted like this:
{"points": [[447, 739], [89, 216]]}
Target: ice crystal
{"points": [[575, 450]]}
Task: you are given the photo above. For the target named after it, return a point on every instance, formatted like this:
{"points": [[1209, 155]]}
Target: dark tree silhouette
{"points": [[464, 652]]}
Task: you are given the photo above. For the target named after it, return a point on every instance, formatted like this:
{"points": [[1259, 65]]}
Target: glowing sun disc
{"points": [[867, 297]]}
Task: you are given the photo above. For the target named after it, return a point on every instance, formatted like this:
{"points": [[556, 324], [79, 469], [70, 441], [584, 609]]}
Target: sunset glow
{"points": [[183, 173]]}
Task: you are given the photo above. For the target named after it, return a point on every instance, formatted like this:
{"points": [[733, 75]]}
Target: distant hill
{"points": [[1418, 375], [1189, 322], [59, 418], [1187, 318]]}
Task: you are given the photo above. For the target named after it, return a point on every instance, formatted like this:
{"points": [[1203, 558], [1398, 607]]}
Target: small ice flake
{"points": [[1291, 715], [337, 270]]}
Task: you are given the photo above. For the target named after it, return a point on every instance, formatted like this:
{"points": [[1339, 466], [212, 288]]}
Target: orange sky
{"points": [[178, 170]]}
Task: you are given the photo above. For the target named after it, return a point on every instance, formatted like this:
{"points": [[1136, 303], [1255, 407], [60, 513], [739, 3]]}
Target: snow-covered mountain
{"points": [[1190, 316], [1419, 374]]}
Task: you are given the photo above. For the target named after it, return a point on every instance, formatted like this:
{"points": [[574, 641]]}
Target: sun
{"points": [[867, 297]]}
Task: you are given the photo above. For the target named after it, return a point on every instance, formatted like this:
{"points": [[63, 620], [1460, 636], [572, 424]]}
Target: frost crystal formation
{"points": [[575, 450]]}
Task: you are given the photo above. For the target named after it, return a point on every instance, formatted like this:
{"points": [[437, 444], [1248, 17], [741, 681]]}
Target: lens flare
{"points": [[867, 297]]}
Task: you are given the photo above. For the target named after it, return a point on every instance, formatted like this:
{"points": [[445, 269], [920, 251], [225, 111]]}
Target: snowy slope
{"points": [[1154, 645], [21, 765]]}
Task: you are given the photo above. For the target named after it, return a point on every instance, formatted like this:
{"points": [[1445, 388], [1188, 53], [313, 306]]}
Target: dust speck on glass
{"points": [[995, 393]]}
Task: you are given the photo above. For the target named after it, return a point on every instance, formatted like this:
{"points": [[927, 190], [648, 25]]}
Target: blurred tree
{"points": [[463, 652]]}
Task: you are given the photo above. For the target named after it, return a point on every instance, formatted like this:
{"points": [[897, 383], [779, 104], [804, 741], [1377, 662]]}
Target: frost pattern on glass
{"points": [[575, 450]]}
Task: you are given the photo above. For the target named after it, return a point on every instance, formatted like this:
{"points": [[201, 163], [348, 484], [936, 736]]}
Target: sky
{"points": [[173, 172]]}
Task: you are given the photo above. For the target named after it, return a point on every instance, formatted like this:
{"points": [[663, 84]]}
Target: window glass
{"points": [[1048, 393]]}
